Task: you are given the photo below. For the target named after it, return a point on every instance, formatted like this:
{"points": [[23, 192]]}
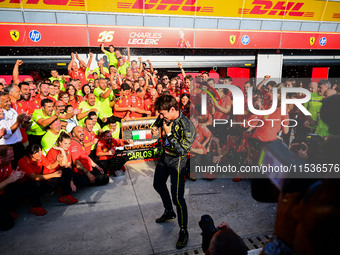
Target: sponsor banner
{"points": [[142, 37], [312, 10], [39, 35], [43, 35], [237, 39]]}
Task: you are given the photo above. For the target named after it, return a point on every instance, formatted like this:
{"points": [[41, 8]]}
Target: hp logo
{"points": [[323, 41], [245, 40], [34, 35]]}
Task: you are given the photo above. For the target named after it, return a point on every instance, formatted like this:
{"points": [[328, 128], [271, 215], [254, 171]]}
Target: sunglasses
{"points": [[165, 79]]}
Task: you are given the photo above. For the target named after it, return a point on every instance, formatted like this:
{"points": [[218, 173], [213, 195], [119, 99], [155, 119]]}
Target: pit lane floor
{"points": [[119, 218]]}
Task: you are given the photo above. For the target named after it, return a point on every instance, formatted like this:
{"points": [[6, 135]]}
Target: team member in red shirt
{"points": [[85, 171], [264, 133], [106, 150], [122, 107], [267, 91], [32, 165], [270, 129], [62, 150], [222, 111], [173, 89], [8, 183], [184, 104], [134, 67], [75, 99], [44, 92], [76, 72], [188, 84], [137, 102], [150, 102], [90, 138], [29, 103]]}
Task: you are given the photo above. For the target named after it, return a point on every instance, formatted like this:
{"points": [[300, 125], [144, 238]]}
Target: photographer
{"points": [[221, 240]]}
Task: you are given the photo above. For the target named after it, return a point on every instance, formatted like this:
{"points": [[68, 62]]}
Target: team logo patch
{"points": [[232, 39], [14, 35], [34, 35], [323, 41], [312, 40], [245, 40]]}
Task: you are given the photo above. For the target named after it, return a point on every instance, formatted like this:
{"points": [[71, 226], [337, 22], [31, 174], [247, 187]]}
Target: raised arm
{"points": [[140, 64], [129, 56], [69, 67], [151, 67], [102, 48], [182, 70], [90, 61], [16, 71], [260, 85], [45, 122], [80, 61]]}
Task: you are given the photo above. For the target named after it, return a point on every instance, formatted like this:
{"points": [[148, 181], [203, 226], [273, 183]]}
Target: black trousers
{"points": [[6, 220], [175, 167], [35, 139], [81, 180], [14, 194], [19, 152], [116, 163]]}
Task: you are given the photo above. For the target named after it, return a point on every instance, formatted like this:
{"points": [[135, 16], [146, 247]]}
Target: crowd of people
{"points": [[63, 131]]}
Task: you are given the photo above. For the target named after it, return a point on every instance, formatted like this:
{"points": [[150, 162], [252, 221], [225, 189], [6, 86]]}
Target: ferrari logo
{"points": [[312, 40], [232, 39], [14, 35]]}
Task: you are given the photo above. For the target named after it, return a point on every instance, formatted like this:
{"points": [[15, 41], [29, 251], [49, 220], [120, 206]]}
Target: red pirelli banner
{"points": [[52, 35]]}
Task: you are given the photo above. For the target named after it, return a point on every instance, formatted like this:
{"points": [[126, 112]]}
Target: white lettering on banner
{"points": [[145, 35], [144, 41], [141, 38]]}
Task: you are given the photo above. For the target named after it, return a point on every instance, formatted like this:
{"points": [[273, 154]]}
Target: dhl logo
{"points": [[78, 3], [280, 8], [162, 5]]}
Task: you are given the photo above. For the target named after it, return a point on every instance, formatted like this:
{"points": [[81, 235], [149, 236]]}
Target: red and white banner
{"points": [[40, 35]]}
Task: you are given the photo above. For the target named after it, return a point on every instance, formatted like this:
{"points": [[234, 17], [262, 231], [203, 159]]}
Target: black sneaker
{"points": [[182, 239], [167, 215]]}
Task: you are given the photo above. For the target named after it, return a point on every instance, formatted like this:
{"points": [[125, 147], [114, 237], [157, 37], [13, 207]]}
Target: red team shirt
{"points": [[5, 172], [197, 145], [21, 107], [123, 102], [80, 75], [270, 129], [220, 115], [27, 165], [150, 106], [137, 102], [52, 157], [76, 101], [78, 152], [89, 137], [102, 146], [202, 132]]}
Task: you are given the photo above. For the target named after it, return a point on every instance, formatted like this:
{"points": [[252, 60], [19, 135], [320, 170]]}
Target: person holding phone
{"points": [[180, 134]]}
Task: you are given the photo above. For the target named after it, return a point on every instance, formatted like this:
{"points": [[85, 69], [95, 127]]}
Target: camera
{"points": [[208, 230]]}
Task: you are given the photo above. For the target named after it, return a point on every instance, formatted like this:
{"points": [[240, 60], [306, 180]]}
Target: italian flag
{"points": [[141, 134]]}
